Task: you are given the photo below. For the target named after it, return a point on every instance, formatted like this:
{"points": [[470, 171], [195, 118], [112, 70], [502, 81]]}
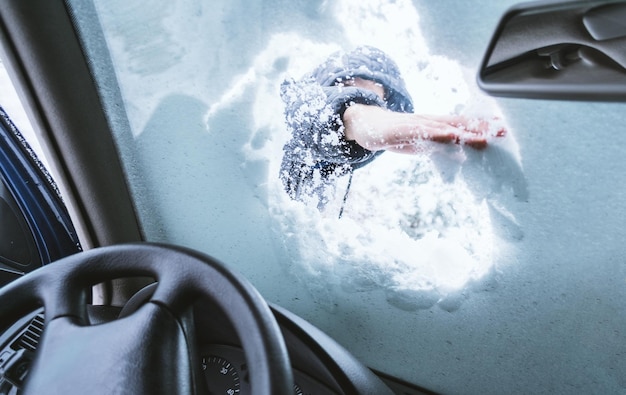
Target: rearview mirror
{"points": [[573, 50]]}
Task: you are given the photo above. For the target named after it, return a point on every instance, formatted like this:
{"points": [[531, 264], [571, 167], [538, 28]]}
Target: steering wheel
{"points": [[151, 350]]}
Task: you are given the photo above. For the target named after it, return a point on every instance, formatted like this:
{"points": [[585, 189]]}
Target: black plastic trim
{"points": [[523, 69]]}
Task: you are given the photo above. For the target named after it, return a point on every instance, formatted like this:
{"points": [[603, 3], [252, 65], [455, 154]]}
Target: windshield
{"points": [[460, 268]]}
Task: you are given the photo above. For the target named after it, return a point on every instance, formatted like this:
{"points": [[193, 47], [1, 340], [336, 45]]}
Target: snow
{"points": [[454, 245]]}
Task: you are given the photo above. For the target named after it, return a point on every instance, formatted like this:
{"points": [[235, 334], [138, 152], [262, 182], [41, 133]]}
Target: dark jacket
{"points": [[318, 152]]}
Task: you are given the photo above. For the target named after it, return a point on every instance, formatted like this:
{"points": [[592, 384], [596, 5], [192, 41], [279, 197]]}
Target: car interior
{"points": [[153, 250]]}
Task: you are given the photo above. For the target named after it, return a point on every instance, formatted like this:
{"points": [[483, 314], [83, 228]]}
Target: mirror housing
{"points": [[574, 50]]}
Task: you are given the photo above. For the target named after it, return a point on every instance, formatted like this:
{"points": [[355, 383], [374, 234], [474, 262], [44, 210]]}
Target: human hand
{"points": [[476, 132]]}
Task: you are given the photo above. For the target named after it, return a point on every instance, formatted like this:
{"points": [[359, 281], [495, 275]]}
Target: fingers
{"points": [[476, 142], [458, 136], [476, 133]]}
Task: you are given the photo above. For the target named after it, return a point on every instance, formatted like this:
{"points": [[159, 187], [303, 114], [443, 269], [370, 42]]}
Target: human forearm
{"points": [[378, 129]]}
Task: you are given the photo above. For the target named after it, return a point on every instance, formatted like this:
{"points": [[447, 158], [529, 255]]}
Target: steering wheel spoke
{"points": [[149, 350]]}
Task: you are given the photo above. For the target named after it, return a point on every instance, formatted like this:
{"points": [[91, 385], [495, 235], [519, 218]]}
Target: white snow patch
{"points": [[412, 226]]}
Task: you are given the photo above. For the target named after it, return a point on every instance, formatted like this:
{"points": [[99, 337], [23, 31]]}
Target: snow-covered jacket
{"points": [[318, 151]]}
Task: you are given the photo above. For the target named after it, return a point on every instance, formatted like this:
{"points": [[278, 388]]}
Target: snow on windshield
{"points": [[425, 229], [199, 83]]}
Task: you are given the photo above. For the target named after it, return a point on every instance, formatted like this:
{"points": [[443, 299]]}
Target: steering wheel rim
{"points": [[183, 277]]}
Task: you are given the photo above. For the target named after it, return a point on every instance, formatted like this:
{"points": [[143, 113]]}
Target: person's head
{"points": [[364, 83], [369, 68]]}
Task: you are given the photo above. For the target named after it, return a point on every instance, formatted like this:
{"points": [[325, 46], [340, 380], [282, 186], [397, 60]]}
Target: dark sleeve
{"points": [[313, 114]]}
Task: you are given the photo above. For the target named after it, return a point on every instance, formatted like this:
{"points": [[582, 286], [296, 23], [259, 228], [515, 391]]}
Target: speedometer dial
{"points": [[221, 376], [226, 373]]}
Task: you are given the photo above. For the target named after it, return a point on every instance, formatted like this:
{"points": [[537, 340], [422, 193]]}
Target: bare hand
{"points": [[376, 129], [476, 132]]}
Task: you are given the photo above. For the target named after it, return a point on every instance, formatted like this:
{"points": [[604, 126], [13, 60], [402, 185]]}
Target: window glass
{"points": [[35, 228], [12, 105], [460, 269], [16, 245]]}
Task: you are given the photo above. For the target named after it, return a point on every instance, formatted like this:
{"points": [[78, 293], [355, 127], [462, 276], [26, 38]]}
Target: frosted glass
{"points": [[521, 289]]}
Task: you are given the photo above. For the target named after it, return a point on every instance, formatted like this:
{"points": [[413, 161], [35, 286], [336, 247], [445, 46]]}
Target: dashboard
{"points": [[225, 372], [320, 365]]}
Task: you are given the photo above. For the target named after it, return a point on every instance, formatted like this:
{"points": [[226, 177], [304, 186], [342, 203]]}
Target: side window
{"points": [[35, 228], [17, 245]]}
